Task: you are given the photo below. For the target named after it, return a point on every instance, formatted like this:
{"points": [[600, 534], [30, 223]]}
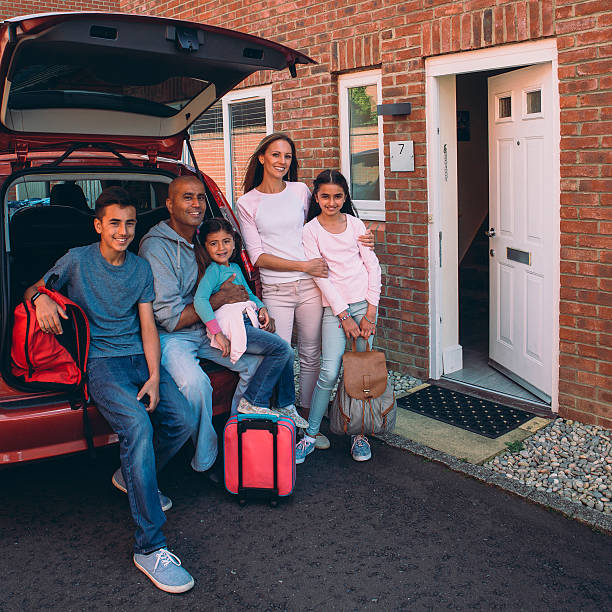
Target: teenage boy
{"points": [[133, 393], [171, 249]]}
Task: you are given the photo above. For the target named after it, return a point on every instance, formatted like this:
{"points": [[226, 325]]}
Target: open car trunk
{"points": [[136, 81]]}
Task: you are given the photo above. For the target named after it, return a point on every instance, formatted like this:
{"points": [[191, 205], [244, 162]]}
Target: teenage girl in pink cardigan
{"points": [[350, 293]]}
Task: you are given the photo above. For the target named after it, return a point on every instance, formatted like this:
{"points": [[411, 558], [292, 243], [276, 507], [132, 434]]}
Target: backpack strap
{"points": [[78, 404]]}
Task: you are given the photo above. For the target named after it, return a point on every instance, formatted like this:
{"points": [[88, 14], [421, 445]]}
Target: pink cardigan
{"points": [[354, 271]]}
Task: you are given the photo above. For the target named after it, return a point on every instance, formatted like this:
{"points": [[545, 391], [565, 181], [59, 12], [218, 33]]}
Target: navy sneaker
{"points": [[360, 448], [303, 449], [165, 571], [119, 483]]}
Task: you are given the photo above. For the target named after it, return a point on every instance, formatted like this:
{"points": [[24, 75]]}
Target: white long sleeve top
{"points": [[272, 223]]}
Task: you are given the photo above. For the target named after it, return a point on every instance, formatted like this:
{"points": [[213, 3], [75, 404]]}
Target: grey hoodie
{"points": [[175, 274]]}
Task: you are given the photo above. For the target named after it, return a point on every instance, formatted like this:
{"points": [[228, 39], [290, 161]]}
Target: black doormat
{"points": [[480, 416]]}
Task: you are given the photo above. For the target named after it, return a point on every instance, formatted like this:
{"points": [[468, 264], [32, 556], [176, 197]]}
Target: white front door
{"points": [[521, 200]]}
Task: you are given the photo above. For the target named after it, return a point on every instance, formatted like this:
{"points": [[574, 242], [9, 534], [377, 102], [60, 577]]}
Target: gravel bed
{"points": [[567, 458]]}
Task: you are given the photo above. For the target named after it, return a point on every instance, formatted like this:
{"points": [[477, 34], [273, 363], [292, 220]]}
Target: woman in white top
{"points": [[272, 212]]}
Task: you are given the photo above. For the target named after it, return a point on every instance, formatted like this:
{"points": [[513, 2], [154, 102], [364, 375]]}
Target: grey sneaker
{"points": [[119, 483], [360, 448], [165, 571], [245, 407], [322, 442], [291, 412]]}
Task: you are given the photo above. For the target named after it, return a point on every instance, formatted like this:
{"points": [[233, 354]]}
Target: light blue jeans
{"points": [[334, 343], [181, 352]]}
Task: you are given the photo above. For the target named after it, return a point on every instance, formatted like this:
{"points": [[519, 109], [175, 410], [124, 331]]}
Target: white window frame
{"points": [[231, 98], [367, 209]]}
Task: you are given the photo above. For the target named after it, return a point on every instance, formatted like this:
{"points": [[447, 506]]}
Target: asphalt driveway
{"points": [[395, 533]]}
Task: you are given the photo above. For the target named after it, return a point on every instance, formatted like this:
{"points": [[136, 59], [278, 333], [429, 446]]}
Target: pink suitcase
{"points": [[259, 456]]}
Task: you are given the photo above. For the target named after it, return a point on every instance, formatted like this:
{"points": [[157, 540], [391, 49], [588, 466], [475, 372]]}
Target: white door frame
{"points": [[507, 56]]}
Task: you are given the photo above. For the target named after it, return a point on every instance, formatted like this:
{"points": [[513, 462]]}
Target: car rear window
{"points": [[66, 77], [81, 192]]}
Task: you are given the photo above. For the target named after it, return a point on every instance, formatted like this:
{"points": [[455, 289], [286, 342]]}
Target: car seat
{"points": [[69, 194], [39, 236]]}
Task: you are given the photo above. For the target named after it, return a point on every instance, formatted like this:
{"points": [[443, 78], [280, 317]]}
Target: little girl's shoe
{"points": [[360, 448], [291, 412], [304, 447], [245, 407]]}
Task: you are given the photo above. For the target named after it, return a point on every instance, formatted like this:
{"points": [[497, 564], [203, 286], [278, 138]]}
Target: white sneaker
{"points": [[291, 412], [245, 407]]}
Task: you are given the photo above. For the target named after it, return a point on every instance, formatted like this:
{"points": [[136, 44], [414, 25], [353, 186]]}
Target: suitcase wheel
{"points": [[273, 503], [242, 502]]}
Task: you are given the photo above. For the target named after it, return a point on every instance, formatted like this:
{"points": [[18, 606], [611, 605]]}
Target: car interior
{"points": [[38, 235]]}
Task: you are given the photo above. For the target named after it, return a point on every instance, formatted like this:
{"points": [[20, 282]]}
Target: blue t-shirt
{"points": [[108, 294]]}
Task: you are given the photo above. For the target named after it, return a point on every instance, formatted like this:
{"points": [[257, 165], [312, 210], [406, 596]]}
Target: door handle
{"points": [[490, 233]]}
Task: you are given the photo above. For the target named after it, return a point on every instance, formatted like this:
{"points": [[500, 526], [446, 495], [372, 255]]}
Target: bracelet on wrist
{"points": [[368, 320], [344, 317]]}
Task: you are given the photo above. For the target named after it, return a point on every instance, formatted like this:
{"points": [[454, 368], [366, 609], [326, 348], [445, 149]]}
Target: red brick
{"points": [[521, 21], [510, 22], [589, 8], [576, 25]]}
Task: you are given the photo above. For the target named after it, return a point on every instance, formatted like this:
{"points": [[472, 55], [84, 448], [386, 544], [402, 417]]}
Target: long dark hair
{"points": [[210, 226], [330, 177], [254, 172]]}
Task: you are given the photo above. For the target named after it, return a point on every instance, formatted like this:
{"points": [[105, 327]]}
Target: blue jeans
{"points": [[114, 383], [277, 366], [181, 352], [333, 346]]}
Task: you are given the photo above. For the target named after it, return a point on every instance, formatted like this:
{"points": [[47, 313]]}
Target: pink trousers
{"points": [[299, 301]]}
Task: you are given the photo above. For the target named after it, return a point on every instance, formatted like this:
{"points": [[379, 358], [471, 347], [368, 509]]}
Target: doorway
{"points": [[485, 289], [473, 242]]}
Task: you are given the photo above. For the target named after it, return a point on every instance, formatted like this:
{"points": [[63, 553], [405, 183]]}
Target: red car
{"points": [[89, 100]]}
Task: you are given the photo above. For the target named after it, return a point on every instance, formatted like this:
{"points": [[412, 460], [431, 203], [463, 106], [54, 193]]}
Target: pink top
{"points": [[354, 271], [272, 223]]}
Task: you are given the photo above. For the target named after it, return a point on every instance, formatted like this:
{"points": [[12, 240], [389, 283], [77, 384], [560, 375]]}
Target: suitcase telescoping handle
{"points": [[250, 424]]}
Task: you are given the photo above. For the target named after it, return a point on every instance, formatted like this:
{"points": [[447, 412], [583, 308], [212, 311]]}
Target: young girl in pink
{"points": [[350, 293]]}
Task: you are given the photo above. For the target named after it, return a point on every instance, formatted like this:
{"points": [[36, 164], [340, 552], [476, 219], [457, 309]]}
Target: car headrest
{"points": [[69, 194]]}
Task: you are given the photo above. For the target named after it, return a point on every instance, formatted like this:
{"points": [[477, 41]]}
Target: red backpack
{"points": [[46, 361]]}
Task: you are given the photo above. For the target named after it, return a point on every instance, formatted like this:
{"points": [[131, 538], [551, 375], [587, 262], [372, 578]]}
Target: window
{"points": [[226, 135], [361, 142]]}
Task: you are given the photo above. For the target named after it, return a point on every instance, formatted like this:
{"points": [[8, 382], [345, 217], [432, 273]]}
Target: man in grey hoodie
{"points": [[169, 248]]}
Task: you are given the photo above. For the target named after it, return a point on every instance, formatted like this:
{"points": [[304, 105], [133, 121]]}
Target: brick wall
{"points": [[396, 36], [14, 8]]}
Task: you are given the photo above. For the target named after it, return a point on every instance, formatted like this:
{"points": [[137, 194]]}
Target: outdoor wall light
{"points": [[402, 108]]}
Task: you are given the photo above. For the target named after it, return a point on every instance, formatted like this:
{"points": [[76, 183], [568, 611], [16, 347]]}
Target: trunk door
{"points": [[136, 81]]}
